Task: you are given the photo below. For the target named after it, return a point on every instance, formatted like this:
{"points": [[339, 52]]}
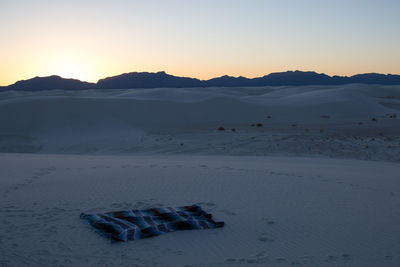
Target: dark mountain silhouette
{"points": [[49, 83], [303, 78], [162, 79], [293, 78], [375, 78], [229, 81], [147, 80]]}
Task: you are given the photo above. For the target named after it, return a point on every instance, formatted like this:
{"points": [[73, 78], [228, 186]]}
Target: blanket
{"points": [[138, 224]]}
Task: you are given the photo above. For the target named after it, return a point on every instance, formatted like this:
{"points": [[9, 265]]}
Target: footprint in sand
{"points": [[268, 221], [51, 229], [179, 253], [332, 258], [63, 247], [259, 258], [230, 260], [281, 260], [44, 171], [339, 181], [265, 238], [344, 257], [227, 212], [38, 174]]}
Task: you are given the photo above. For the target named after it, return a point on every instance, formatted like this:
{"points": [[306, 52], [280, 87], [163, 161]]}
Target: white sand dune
{"points": [[314, 185], [184, 120], [278, 211]]}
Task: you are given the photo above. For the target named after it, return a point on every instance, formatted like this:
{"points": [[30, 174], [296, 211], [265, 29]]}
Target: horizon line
{"points": [[240, 76]]}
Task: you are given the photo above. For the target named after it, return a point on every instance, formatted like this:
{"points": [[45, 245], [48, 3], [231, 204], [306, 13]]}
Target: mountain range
{"points": [[162, 79]]}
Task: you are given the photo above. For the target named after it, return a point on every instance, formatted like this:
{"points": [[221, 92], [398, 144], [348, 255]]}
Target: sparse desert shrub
{"points": [[294, 125], [259, 124], [373, 119], [221, 129], [233, 130], [392, 116], [269, 117], [324, 116]]}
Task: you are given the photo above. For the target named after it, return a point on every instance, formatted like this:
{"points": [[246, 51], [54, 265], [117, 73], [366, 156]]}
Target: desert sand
{"points": [[308, 176]]}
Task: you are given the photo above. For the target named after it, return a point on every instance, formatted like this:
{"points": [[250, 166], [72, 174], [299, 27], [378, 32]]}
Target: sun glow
{"points": [[70, 67], [90, 40]]}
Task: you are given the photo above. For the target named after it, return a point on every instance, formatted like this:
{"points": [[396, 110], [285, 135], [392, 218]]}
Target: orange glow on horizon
{"points": [[90, 40], [70, 69]]}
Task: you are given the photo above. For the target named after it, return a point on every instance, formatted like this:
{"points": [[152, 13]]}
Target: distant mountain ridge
{"points": [[48, 83], [161, 79], [147, 80]]}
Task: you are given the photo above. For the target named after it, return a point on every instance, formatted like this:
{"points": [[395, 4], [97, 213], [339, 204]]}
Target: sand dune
{"points": [[288, 181], [184, 120]]}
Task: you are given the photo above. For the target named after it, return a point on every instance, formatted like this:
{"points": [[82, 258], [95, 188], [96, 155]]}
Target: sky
{"points": [[89, 40]]}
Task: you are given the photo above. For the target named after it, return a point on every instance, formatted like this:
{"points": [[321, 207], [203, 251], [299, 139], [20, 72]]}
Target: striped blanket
{"points": [[138, 224]]}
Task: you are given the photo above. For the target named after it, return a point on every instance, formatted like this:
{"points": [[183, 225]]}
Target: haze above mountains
{"points": [[162, 79]]}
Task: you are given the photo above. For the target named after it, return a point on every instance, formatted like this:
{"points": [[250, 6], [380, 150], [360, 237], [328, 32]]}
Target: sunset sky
{"points": [[89, 40]]}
